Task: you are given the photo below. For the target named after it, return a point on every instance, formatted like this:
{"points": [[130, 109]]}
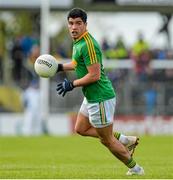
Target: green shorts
{"points": [[100, 114]]}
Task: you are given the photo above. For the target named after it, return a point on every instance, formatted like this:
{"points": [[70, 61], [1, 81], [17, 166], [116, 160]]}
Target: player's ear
{"points": [[86, 24]]}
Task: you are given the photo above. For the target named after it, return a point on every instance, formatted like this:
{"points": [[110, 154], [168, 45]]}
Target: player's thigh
{"points": [[82, 123]]}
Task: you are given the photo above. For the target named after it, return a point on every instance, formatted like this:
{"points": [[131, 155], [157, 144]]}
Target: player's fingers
{"points": [[59, 84], [64, 93], [61, 91], [59, 88]]}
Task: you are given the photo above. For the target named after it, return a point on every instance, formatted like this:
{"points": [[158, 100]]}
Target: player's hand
{"points": [[64, 87]]}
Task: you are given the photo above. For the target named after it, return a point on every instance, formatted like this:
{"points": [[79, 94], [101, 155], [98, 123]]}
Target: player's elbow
{"points": [[96, 77]]}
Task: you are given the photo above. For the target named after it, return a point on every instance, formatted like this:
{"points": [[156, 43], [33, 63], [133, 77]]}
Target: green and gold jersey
{"points": [[86, 52]]}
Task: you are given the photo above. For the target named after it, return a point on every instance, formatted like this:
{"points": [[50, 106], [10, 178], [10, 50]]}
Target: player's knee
{"points": [[105, 142], [79, 131]]}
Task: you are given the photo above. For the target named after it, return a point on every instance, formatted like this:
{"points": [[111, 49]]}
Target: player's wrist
{"points": [[60, 68], [72, 84]]}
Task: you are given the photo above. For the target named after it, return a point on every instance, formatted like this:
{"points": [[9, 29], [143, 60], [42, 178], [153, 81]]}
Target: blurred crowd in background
{"points": [[141, 90]]}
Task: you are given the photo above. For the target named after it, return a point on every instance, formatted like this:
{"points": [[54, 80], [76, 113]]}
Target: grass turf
{"points": [[80, 157]]}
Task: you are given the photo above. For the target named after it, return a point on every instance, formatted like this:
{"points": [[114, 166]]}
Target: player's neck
{"points": [[80, 37]]}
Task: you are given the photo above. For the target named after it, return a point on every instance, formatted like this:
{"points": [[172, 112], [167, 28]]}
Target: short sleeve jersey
{"points": [[86, 52]]}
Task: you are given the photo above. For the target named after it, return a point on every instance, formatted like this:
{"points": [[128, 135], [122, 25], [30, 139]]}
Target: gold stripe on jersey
{"points": [[91, 50]]}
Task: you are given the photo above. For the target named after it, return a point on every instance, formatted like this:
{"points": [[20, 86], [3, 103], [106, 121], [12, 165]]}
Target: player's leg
{"points": [[101, 117], [117, 149], [130, 142], [83, 126], [107, 138]]}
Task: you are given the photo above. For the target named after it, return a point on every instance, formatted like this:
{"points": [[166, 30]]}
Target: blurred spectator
{"points": [[160, 54], [35, 52], [118, 51], [17, 57], [26, 44], [61, 51], [104, 44], [150, 96], [141, 55], [32, 124]]}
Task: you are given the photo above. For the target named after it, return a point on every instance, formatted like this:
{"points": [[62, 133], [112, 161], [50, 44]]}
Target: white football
{"points": [[46, 66]]}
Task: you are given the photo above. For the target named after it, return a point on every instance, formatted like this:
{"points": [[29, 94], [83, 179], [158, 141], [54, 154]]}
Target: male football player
{"points": [[95, 117]]}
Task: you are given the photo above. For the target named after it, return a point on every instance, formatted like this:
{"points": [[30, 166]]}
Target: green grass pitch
{"points": [[80, 158]]}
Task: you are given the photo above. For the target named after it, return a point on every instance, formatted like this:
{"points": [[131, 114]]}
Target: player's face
{"points": [[76, 27]]}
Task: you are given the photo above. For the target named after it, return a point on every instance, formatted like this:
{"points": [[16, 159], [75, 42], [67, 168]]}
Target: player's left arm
{"points": [[69, 66], [92, 76]]}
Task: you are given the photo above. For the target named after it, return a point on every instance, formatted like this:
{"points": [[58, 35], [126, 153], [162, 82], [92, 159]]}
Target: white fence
{"points": [[63, 124]]}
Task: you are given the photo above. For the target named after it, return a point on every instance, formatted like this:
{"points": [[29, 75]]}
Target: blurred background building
{"points": [[136, 39]]}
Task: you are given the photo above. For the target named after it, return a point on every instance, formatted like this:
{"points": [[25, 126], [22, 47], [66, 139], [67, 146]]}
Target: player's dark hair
{"points": [[77, 12]]}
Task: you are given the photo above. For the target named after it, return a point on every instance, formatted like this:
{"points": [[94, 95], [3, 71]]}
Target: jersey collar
{"points": [[84, 34]]}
